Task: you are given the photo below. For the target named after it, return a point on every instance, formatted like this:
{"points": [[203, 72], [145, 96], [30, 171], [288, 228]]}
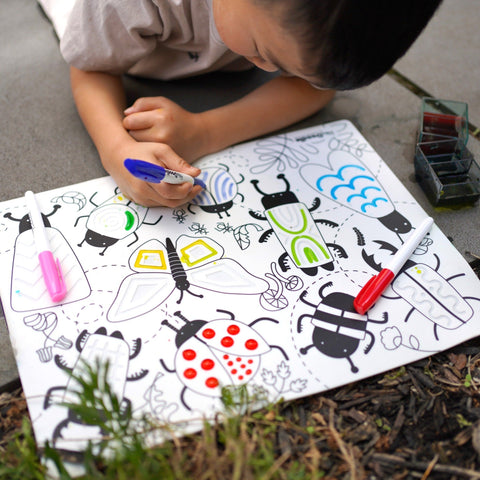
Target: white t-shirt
{"points": [[162, 39]]}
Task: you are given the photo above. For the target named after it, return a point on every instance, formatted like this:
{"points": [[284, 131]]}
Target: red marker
{"points": [[374, 288]]}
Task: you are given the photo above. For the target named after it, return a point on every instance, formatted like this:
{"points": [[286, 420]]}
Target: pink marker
{"points": [[52, 274], [374, 288]]}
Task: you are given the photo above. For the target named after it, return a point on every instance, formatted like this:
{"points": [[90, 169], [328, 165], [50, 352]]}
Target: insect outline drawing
{"points": [[216, 353], [296, 229], [201, 258], [426, 291], [221, 190], [28, 290], [114, 219], [338, 328], [348, 181], [160, 269], [102, 349]]}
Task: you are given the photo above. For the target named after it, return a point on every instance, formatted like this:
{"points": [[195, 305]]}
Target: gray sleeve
{"points": [[110, 35]]}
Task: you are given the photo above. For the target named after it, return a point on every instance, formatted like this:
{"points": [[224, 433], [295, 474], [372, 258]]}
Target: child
{"points": [[319, 46]]}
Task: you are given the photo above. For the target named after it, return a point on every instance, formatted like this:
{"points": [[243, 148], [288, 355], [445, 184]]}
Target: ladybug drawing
{"points": [[113, 220], [338, 328], [220, 192], [428, 292], [296, 230], [213, 354], [103, 348]]}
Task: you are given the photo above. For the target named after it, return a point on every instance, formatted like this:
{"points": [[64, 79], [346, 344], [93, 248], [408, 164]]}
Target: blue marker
{"points": [[155, 173]]}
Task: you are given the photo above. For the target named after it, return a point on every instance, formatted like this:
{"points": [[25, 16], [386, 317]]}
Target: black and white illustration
{"points": [[251, 284]]}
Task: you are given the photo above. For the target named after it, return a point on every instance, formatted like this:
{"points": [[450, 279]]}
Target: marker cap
{"points": [[372, 291]]}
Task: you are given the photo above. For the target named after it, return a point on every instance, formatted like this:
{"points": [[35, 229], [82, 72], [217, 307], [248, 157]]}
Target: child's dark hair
{"points": [[350, 43]]}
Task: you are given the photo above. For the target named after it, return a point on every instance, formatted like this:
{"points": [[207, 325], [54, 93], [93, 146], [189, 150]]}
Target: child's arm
{"points": [[274, 105], [100, 101], [160, 131]]}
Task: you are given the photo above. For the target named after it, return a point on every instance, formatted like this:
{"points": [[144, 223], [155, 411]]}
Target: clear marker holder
{"points": [[444, 167]]}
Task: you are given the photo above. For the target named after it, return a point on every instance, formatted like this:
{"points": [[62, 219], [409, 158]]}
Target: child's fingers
{"points": [[142, 120], [175, 195], [147, 103], [163, 194], [173, 192], [169, 159]]}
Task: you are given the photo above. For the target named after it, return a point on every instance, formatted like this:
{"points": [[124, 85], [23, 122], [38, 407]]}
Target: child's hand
{"points": [[152, 194], [158, 119]]}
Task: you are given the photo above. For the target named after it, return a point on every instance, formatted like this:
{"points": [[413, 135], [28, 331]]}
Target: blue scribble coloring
{"points": [[362, 193], [351, 186], [338, 175], [373, 203]]}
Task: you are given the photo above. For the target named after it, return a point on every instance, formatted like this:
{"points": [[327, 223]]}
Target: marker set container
{"points": [[443, 119], [444, 167]]}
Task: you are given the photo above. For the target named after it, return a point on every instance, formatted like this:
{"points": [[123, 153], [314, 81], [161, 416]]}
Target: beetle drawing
{"points": [[338, 328], [296, 229], [220, 192], [24, 222], [350, 183], [105, 349], [216, 353], [113, 220], [28, 291], [427, 291]]}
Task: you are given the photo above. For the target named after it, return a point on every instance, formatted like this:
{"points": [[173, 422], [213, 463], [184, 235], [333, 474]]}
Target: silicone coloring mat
{"points": [[253, 283]]}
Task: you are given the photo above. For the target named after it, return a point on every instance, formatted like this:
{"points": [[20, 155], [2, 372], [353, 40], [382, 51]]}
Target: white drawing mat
{"points": [[253, 283]]}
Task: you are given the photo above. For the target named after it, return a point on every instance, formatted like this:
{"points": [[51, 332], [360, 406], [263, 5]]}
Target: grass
{"points": [[418, 421], [239, 444]]}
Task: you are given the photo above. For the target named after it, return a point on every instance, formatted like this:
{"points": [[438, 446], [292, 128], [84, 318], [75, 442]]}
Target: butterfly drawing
{"points": [[193, 264]]}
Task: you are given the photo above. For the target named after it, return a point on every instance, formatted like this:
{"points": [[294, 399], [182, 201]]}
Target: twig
{"points": [[438, 468], [342, 446], [430, 467], [276, 465]]}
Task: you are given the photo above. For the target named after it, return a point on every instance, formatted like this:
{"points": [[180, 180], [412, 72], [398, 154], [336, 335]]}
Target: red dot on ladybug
{"points": [[207, 364], [189, 354], [227, 341], [251, 344], [208, 333], [190, 373], [248, 372], [233, 329], [211, 382]]}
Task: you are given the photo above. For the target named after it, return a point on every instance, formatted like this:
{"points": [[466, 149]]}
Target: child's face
{"points": [[255, 33]]}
